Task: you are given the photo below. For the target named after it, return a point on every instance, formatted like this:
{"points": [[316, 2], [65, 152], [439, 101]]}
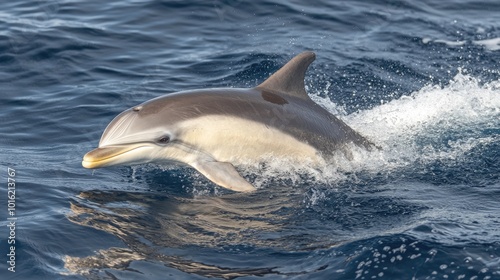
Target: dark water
{"points": [[419, 78]]}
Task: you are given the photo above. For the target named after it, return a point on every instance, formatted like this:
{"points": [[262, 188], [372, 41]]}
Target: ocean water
{"points": [[421, 79]]}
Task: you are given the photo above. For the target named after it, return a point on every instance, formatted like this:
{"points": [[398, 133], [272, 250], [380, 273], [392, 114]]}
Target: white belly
{"points": [[241, 141]]}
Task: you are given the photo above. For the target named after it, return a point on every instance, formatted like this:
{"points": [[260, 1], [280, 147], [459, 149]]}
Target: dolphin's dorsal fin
{"points": [[290, 78]]}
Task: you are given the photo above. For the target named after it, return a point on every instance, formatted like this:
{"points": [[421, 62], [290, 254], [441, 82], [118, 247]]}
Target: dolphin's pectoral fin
{"points": [[224, 175]]}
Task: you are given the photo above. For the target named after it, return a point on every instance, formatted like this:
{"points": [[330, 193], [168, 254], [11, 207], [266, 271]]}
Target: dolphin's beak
{"points": [[107, 155]]}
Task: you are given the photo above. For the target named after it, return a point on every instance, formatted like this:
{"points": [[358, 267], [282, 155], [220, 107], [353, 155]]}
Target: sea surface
{"points": [[421, 79]]}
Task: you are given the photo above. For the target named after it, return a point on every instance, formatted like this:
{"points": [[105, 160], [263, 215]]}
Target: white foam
{"points": [[426, 40], [457, 43], [450, 43], [490, 44], [463, 107]]}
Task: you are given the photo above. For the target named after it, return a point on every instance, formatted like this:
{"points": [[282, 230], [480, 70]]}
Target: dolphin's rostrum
{"points": [[212, 130]]}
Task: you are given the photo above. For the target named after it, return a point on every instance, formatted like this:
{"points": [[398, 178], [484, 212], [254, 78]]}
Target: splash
{"points": [[433, 123]]}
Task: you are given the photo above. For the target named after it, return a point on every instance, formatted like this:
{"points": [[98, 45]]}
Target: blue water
{"points": [[419, 78]]}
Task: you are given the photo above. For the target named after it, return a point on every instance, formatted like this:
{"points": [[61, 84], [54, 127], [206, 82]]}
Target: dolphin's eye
{"points": [[164, 139]]}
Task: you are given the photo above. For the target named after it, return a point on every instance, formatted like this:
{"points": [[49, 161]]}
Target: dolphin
{"points": [[214, 130]]}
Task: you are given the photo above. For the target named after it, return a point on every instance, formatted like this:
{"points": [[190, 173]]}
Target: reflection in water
{"points": [[151, 223], [190, 234], [120, 258]]}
